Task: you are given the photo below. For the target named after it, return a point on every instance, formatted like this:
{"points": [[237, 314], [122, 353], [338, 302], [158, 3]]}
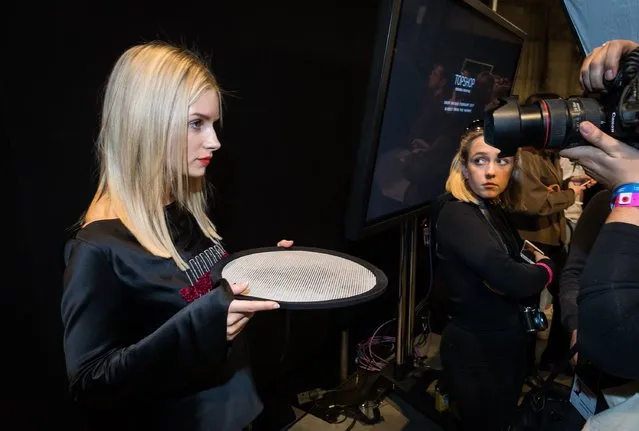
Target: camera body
{"points": [[534, 320], [553, 124]]}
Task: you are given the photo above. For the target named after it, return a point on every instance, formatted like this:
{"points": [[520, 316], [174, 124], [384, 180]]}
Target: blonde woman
{"points": [[149, 337], [483, 345]]}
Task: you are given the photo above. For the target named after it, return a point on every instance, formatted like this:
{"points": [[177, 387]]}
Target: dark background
{"points": [[295, 74]]}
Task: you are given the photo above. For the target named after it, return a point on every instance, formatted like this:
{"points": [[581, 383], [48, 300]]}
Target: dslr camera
{"points": [[553, 124]]}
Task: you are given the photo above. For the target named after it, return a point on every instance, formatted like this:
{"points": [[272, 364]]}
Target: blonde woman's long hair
{"points": [[142, 142], [457, 185]]}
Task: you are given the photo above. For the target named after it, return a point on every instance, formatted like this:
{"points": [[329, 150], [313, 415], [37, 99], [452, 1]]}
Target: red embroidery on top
{"points": [[202, 286]]}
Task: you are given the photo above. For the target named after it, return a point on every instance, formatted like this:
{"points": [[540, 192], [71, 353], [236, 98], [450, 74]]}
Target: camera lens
{"points": [[564, 117], [541, 322], [551, 124]]}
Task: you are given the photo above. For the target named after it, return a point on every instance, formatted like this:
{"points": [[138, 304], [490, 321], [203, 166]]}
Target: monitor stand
{"points": [[408, 381], [401, 381]]}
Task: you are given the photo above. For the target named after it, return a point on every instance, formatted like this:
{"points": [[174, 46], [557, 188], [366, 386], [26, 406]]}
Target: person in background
{"points": [[573, 172], [608, 300], [609, 287], [483, 345], [152, 339]]}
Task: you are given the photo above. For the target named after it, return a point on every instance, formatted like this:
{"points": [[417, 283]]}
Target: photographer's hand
{"points": [[603, 62], [608, 160]]}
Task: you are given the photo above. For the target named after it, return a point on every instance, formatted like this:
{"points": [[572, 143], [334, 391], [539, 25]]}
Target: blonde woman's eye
{"points": [[503, 162], [195, 124], [479, 161]]}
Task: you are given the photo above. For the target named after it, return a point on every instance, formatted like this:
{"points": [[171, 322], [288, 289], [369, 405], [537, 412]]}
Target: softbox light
{"points": [[597, 21]]}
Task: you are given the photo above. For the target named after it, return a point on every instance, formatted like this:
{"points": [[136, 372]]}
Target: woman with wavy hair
{"points": [[150, 337], [483, 344]]}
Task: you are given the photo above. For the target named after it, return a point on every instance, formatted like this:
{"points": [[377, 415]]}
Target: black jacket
{"points": [[608, 302], [484, 281], [590, 223], [145, 343]]}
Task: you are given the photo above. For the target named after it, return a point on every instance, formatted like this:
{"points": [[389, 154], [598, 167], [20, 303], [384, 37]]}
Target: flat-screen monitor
{"points": [[438, 65]]}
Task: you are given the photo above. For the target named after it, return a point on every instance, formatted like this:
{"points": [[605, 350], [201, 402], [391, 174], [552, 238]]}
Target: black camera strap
{"points": [[489, 218], [491, 222]]}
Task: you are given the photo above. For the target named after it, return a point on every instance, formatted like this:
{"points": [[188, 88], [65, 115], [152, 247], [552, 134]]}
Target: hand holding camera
{"points": [[603, 63], [556, 124], [608, 160]]}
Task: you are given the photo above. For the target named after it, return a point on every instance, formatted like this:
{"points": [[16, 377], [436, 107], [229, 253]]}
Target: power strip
{"points": [[309, 396]]}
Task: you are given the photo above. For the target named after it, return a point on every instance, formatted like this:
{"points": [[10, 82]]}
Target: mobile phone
{"points": [[527, 252]]}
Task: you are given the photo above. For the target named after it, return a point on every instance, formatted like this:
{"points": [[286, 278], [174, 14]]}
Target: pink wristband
{"points": [[628, 199], [550, 275]]}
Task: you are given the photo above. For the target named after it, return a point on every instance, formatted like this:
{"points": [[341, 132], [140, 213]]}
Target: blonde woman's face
{"points": [[202, 138], [487, 174]]}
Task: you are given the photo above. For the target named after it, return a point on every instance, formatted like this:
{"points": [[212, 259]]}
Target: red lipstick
{"points": [[205, 160]]}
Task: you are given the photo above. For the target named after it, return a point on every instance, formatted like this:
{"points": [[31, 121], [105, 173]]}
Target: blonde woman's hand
{"points": [[539, 256], [286, 243], [241, 310]]}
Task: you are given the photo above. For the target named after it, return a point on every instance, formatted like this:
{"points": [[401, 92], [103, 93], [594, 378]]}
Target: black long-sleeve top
{"points": [[609, 302], [145, 342], [485, 282], [590, 223]]}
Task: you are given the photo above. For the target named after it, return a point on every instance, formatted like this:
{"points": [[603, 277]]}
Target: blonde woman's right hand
{"points": [[539, 256], [241, 311]]}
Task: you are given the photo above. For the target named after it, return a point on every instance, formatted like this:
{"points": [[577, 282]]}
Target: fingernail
{"points": [[609, 75], [275, 306], [586, 128]]}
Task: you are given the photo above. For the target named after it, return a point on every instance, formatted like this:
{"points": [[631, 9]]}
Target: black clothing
{"points": [[483, 347], [609, 302], [484, 282], [145, 342], [590, 223], [558, 342], [484, 372]]}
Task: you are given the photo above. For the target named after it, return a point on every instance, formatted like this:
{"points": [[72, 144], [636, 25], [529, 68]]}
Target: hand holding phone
{"points": [[531, 253]]}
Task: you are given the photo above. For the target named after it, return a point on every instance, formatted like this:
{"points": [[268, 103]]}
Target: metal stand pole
{"points": [[406, 306], [343, 369]]}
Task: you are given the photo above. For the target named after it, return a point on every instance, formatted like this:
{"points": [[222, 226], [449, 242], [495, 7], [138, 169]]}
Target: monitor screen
{"points": [[444, 63]]}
